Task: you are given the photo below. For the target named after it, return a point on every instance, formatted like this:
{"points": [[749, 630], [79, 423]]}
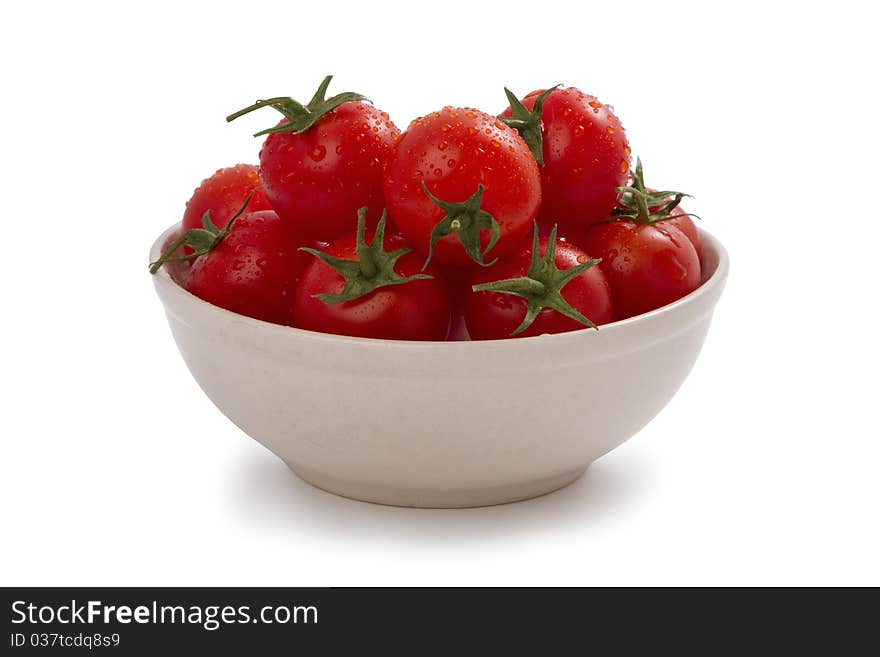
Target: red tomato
{"points": [[223, 194], [684, 223], [655, 207], [647, 265], [317, 175], [493, 315], [415, 310], [252, 271], [586, 158], [453, 152]]}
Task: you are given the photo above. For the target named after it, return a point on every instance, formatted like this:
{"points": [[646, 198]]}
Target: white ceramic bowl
{"points": [[441, 424]]}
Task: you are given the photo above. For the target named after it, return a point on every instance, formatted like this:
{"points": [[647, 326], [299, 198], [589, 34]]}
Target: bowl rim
{"points": [[706, 288]]}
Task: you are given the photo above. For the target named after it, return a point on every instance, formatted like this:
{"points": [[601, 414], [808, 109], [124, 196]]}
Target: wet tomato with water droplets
{"points": [[494, 315], [416, 310], [223, 194], [453, 152], [686, 225], [586, 157], [317, 179], [253, 270], [647, 265]]}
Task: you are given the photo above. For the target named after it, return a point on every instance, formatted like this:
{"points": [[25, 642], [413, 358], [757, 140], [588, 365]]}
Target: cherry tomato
{"points": [[586, 158], [681, 220], [418, 309], [492, 315], [647, 265], [222, 195], [458, 154], [686, 225], [644, 205], [329, 163], [252, 270]]}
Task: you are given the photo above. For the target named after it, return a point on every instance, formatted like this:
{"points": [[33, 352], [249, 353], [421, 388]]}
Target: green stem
{"points": [[364, 252], [525, 287], [542, 285], [201, 240], [374, 267], [640, 206], [299, 117], [644, 210]]}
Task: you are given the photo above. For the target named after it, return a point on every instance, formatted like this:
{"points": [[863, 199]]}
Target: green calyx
{"points": [[373, 269], [542, 286], [299, 117], [640, 206], [528, 123], [465, 219], [201, 240]]}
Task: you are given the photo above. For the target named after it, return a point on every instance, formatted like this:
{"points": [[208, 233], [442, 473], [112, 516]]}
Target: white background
{"points": [[116, 470]]}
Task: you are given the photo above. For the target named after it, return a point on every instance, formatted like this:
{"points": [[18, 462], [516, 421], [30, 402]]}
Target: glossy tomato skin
{"points": [[223, 194], [586, 157], [318, 179], [252, 271], [494, 316], [453, 151], [686, 225], [647, 266], [417, 310]]}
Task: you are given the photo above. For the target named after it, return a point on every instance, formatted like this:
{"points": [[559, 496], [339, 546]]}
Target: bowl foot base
{"points": [[436, 498]]}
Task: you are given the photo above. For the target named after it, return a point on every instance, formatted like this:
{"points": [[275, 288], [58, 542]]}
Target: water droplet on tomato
{"points": [[318, 153], [624, 166], [495, 144], [581, 259], [610, 130], [442, 146], [339, 149], [578, 131], [450, 162], [438, 172]]}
